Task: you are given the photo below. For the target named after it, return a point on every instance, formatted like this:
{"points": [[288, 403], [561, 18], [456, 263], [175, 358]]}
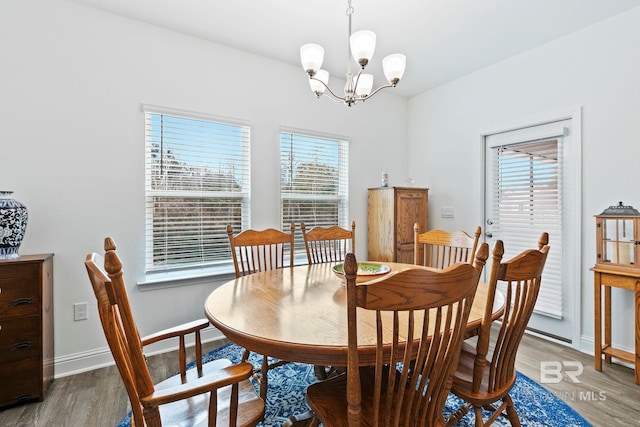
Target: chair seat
{"points": [[328, 399], [192, 412], [463, 379]]}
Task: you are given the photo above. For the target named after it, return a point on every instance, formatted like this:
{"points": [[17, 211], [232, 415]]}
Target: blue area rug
{"points": [[536, 406]]}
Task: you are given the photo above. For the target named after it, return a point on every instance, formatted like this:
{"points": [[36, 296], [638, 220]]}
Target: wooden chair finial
{"points": [[350, 265], [109, 244], [544, 240], [112, 263], [482, 254]]}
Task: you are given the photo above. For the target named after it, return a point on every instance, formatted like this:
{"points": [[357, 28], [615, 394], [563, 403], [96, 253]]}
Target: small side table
{"points": [[606, 278]]}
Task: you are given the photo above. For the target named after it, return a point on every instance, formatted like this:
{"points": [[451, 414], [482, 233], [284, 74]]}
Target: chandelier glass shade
{"points": [[362, 45]]}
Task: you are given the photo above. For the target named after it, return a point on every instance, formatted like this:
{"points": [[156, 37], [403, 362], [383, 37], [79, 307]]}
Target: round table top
{"points": [[299, 314]]}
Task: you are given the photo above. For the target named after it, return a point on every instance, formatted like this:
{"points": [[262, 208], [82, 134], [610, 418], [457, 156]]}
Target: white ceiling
{"points": [[442, 39]]}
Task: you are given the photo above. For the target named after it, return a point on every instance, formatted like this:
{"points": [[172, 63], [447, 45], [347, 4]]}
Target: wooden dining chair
{"points": [[328, 244], [409, 384], [261, 250], [218, 391], [440, 249], [483, 379]]}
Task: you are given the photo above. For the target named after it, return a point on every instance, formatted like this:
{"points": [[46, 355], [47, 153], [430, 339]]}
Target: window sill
{"points": [[155, 281], [174, 279]]}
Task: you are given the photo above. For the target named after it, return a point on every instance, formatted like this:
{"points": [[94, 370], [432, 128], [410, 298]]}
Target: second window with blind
{"points": [[313, 181]]}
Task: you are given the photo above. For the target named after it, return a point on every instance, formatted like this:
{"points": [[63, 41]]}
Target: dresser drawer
{"points": [[19, 338], [20, 381], [19, 290], [26, 328]]}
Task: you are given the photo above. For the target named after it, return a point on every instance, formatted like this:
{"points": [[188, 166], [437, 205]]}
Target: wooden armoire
{"points": [[392, 213]]}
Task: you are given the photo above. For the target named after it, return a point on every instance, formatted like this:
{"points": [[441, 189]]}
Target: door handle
{"points": [[489, 234]]}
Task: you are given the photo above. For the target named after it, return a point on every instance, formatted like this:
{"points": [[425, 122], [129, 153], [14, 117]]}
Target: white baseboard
{"points": [[101, 357]]}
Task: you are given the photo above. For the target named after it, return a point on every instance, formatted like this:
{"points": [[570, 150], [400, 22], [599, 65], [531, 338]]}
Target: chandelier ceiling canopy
{"points": [[358, 88]]}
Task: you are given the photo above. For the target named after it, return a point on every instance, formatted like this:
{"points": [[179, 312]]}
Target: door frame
{"points": [[572, 245]]}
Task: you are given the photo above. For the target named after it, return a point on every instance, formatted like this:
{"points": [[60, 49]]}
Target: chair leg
{"points": [[478, 414], [512, 414], [495, 412], [458, 415], [264, 381], [507, 406], [260, 375]]}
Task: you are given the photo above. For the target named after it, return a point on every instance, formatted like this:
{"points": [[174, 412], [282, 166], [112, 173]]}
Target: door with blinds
{"points": [[525, 195]]}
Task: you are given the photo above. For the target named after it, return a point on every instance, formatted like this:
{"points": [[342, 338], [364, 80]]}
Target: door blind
{"points": [[527, 188]]}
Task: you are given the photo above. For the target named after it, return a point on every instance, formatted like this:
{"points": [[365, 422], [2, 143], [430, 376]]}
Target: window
{"points": [[313, 181], [197, 182]]}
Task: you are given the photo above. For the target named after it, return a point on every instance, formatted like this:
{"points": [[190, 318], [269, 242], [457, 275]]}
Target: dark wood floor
{"points": [[98, 398]]}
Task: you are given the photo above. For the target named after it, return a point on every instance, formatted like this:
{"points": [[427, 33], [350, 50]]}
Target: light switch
{"points": [[80, 311], [447, 212]]}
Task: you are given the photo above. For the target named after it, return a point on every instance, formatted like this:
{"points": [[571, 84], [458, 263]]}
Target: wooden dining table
{"points": [[299, 314]]}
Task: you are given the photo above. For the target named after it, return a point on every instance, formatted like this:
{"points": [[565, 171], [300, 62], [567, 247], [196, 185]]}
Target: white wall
{"points": [[72, 81], [596, 68]]}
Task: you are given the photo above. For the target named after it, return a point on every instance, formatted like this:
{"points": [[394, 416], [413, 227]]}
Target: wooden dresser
{"points": [[391, 216], [26, 328]]}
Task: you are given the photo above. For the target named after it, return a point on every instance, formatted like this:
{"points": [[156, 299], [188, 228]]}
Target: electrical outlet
{"points": [[80, 311], [447, 212]]}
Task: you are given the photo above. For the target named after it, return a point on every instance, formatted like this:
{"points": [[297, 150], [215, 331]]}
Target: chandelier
{"points": [[358, 88]]}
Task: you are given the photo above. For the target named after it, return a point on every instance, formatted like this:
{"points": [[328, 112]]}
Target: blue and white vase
{"points": [[13, 224]]}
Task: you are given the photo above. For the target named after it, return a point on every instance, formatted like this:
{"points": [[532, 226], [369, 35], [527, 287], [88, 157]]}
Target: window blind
{"points": [[527, 188], [197, 182], [313, 181]]}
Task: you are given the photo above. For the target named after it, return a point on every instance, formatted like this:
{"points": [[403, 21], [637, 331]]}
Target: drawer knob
{"points": [[21, 345], [22, 301]]}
